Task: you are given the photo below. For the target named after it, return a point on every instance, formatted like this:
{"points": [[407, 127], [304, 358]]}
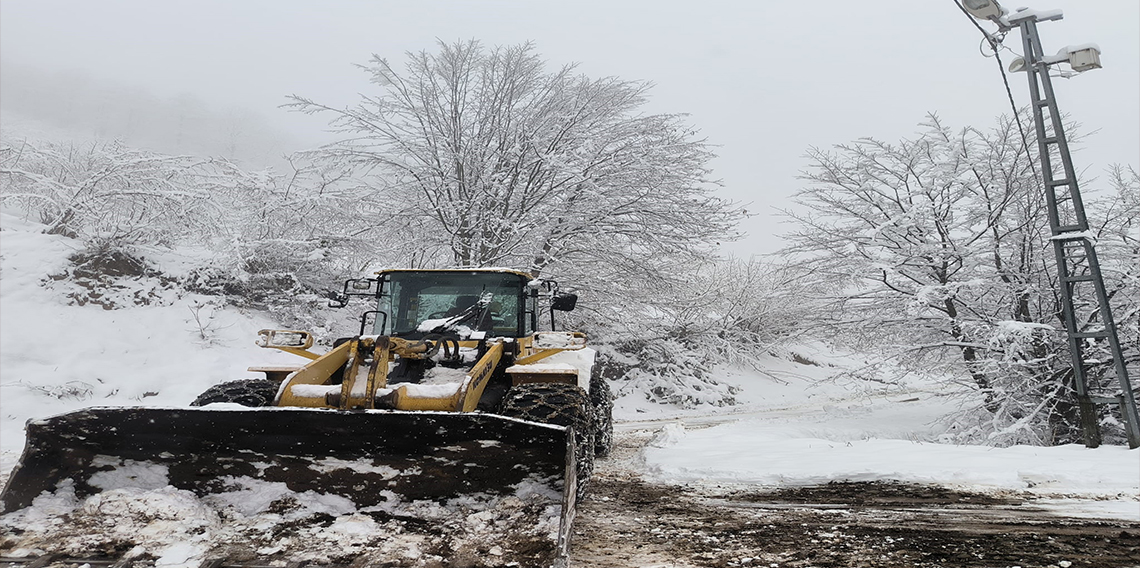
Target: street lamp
{"points": [[983, 9], [1077, 264]]}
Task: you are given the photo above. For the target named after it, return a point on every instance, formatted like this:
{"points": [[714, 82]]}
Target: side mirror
{"points": [[563, 302], [355, 287]]}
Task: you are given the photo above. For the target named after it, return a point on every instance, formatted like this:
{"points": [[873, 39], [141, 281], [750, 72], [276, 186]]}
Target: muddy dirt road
{"points": [[629, 522]]}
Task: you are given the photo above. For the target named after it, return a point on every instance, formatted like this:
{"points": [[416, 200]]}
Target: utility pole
{"points": [[1077, 266]]}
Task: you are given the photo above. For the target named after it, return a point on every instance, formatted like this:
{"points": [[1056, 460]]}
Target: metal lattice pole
{"points": [[1077, 264]]}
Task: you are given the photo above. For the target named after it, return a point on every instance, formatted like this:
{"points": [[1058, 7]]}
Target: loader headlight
{"points": [[284, 338]]}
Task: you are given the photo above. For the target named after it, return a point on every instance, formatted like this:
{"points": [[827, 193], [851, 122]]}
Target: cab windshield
{"points": [[492, 301]]}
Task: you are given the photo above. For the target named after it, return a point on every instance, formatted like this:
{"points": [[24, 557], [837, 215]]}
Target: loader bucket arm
{"points": [[365, 456]]}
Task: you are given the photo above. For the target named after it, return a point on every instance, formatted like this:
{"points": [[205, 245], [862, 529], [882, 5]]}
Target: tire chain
{"points": [[563, 405], [602, 405]]}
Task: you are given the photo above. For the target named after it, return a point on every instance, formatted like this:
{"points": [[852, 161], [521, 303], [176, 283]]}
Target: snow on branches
{"points": [[939, 248], [273, 240], [671, 340], [482, 157], [106, 191]]}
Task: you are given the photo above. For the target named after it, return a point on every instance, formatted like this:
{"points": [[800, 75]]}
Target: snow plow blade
{"points": [[375, 459]]}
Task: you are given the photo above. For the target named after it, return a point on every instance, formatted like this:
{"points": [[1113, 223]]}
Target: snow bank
{"points": [[754, 452], [798, 425]]}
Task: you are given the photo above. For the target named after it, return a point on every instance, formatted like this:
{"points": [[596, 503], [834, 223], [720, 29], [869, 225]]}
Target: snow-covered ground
{"points": [[792, 426], [795, 427]]}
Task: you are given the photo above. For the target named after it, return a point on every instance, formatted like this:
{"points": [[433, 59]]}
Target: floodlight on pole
{"points": [[1084, 59], [1081, 58]]}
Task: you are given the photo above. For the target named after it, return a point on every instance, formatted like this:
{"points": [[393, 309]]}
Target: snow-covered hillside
{"points": [[56, 357]]}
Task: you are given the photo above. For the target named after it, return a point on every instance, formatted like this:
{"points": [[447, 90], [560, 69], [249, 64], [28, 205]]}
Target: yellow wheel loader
{"points": [[449, 389]]}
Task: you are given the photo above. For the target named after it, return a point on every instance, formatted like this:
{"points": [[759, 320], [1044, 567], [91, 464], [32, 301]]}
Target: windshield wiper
{"points": [[479, 309]]}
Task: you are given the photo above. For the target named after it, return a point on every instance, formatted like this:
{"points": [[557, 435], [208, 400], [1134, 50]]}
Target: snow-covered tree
{"points": [[107, 191], [483, 157], [1118, 246], [940, 245], [727, 311]]}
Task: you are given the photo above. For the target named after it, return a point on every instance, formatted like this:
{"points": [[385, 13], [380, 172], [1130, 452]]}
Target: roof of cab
{"points": [[520, 273]]}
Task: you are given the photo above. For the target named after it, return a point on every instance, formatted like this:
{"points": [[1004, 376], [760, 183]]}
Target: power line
{"points": [[995, 43]]}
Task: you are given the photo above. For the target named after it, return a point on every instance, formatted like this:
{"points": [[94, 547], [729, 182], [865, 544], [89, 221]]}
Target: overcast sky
{"points": [[764, 80]]}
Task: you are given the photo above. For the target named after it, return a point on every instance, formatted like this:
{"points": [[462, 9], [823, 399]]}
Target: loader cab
{"points": [[498, 303]]}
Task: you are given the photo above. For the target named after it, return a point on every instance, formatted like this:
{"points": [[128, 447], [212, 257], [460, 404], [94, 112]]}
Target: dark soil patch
{"points": [[879, 494], [114, 263], [100, 274], [841, 525]]}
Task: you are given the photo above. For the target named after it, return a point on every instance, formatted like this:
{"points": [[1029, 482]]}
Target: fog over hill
{"points": [[75, 105]]}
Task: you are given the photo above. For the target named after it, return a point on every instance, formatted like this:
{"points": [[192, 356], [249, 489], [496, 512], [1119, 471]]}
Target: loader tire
{"points": [[247, 392], [602, 403], [561, 404]]}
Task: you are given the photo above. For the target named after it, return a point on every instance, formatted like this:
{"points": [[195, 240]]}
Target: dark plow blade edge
{"points": [[438, 455]]}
